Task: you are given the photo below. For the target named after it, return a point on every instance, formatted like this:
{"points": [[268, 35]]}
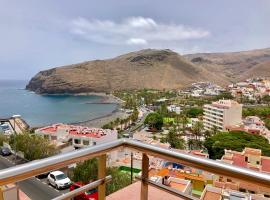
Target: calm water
{"points": [[40, 110]]}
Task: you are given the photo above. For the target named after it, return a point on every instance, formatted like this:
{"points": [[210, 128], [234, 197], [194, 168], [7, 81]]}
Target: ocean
{"points": [[40, 110]]}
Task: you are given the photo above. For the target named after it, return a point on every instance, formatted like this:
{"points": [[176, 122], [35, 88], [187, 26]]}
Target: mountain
{"points": [[259, 70], [234, 66], [152, 69]]}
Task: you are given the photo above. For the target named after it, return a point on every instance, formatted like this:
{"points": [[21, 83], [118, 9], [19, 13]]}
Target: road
{"points": [[135, 127], [34, 188]]}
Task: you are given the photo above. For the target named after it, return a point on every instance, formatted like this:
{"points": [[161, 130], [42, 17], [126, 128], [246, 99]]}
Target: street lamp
{"points": [[14, 127]]}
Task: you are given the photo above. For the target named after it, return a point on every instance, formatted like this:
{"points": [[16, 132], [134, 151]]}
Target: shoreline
{"points": [[98, 122], [109, 98]]}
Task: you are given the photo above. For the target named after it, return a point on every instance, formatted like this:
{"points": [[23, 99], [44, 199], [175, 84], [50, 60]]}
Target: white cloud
{"points": [[134, 31], [136, 41]]}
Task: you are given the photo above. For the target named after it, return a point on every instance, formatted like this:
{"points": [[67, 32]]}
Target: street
{"points": [[34, 188]]}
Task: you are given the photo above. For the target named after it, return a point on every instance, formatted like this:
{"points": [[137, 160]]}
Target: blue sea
{"points": [[39, 110]]}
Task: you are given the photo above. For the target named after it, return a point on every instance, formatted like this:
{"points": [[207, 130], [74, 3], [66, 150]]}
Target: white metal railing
{"points": [[27, 170]]}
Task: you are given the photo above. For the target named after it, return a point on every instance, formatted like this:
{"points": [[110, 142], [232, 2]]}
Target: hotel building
{"points": [[221, 114]]}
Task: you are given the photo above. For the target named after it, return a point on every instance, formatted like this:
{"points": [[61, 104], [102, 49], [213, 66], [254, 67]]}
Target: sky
{"points": [[37, 35]]}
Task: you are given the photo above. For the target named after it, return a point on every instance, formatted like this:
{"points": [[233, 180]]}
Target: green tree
{"points": [[235, 140], [194, 112], [3, 139], [266, 99], [194, 144], [197, 129], [87, 172], [175, 140], [184, 122], [267, 123], [154, 121], [33, 146]]}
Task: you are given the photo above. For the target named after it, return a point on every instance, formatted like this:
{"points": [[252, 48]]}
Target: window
{"points": [[242, 190], [266, 195], [251, 192], [85, 142], [246, 159], [229, 180], [52, 176], [258, 162], [77, 141]]}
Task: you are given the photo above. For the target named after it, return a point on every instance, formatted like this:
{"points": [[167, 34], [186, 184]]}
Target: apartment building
{"points": [[214, 193], [221, 114], [79, 136], [248, 158]]}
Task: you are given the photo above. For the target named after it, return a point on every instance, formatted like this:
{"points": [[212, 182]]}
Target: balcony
{"points": [[143, 189]]}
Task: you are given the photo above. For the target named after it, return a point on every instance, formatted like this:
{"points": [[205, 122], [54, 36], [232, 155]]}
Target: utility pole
{"points": [[131, 167], [15, 133]]}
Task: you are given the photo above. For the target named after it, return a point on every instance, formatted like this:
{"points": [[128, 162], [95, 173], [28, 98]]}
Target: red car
{"points": [[89, 195]]}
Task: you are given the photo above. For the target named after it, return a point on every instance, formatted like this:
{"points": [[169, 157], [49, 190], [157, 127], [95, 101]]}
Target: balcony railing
{"points": [[25, 171]]}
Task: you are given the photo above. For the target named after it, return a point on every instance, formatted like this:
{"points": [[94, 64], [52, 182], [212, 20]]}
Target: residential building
{"points": [[252, 125], [214, 193], [79, 136], [248, 158], [221, 114], [174, 108]]}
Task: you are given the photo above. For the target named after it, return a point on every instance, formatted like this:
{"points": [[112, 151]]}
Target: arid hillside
{"points": [[152, 69]]}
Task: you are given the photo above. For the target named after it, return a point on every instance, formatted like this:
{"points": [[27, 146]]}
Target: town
{"points": [[190, 121]]}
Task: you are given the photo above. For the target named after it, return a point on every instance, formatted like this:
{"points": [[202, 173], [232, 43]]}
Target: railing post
{"points": [[144, 183], [1, 193], [102, 174]]}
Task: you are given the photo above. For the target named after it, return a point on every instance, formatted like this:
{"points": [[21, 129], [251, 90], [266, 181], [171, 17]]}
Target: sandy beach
{"points": [[100, 121]]}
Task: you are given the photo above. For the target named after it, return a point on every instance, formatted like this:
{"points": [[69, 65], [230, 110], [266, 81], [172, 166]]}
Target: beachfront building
{"points": [[221, 114], [79, 136]]}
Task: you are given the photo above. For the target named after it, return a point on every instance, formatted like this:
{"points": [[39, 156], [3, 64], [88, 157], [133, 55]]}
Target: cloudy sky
{"points": [[36, 35]]}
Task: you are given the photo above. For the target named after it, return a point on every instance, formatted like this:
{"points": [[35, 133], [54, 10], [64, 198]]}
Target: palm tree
{"points": [[197, 129], [184, 122], [214, 130]]}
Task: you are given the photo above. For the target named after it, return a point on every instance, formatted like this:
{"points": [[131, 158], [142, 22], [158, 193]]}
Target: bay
{"points": [[39, 110]]}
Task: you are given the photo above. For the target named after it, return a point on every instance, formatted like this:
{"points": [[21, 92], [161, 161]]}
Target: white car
{"points": [[59, 180]]}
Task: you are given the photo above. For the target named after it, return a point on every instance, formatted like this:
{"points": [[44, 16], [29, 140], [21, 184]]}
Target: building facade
{"points": [[221, 114]]}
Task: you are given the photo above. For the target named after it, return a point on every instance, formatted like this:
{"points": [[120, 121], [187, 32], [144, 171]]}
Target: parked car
{"points": [[5, 151], [59, 180], [89, 195], [43, 175]]}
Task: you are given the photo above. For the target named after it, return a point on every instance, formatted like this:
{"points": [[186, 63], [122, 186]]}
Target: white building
{"points": [[79, 136], [221, 114], [174, 108]]}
